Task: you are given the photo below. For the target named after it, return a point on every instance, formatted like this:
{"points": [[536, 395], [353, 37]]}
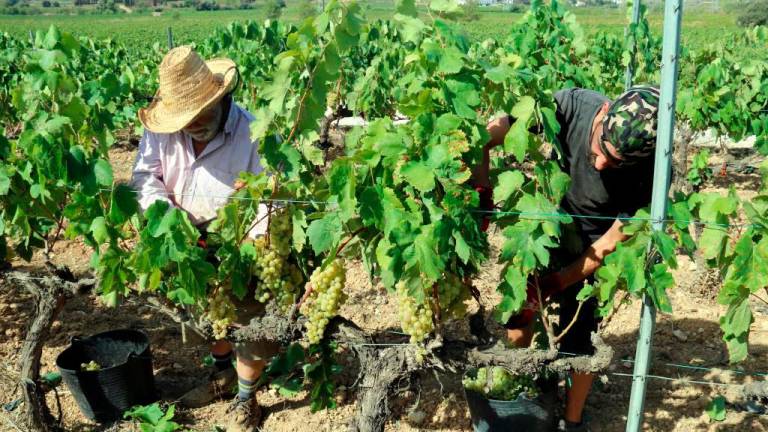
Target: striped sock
{"points": [[222, 362], [245, 388]]}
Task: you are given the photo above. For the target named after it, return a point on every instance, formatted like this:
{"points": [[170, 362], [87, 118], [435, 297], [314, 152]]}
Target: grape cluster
{"points": [[415, 317], [280, 232], [501, 385], [325, 299], [276, 277], [221, 313], [91, 366], [453, 292]]}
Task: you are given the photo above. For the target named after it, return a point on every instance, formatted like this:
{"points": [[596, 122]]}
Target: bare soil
{"points": [[433, 402]]}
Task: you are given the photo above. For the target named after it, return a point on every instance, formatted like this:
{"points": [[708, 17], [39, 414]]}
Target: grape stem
{"points": [[544, 316], [436, 296], [306, 295], [253, 225], [349, 239], [573, 321], [615, 309], [303, 99]]}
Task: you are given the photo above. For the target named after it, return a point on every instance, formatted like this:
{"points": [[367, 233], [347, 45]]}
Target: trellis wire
{"points": [[525, 215], [681, 380]]}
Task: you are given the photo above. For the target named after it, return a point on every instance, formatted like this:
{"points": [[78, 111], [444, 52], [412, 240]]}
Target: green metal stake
{"points": [[631, 65], [170, 38], [673, 12]]}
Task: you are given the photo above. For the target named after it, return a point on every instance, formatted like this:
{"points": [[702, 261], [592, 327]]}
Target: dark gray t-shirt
{"points": [[609, 193]]}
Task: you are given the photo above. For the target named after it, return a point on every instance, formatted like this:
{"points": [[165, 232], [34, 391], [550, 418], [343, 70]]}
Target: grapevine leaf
{"points": [[281, 156], [666, 247], [418, 175], [712, 242], [586, 291], [410, 27], [660, 281], [554, 181], [325, 233], [630, 262], [516, 140], [509, 182], [680, 214], [523, 109], [181, 296], [714, 206], [499, 74], [123, 204], [407, 7], [749, 268], [371, 210], [462, 248], [5, 182], [148, 414], [341, 182], [49, 59], [385, 263], [99, 230], [394, 212], [451, 61], [550, 123], [447, 123], [103, 172], [464, 97], [445, 6], [76, 110], [514, 291], [716, 409], [299, 224], [735, 325], [425, 249]]}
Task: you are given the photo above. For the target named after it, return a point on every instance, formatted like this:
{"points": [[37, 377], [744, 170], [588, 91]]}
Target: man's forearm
{"points": [[591, 259]]}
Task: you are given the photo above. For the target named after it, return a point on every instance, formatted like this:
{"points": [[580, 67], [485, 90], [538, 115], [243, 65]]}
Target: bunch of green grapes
{"points": [[221, 313], [268, 269], [501, 385], [276, 277], [453, 293], [91, 366], [280, 232], [415, 317], [325, 299]]}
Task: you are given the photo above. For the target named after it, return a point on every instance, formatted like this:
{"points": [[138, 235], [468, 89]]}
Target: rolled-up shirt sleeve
{"points": [[147, 176]]}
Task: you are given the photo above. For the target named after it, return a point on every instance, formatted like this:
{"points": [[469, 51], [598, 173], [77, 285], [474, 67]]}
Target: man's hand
{"points": [[239, 184]]}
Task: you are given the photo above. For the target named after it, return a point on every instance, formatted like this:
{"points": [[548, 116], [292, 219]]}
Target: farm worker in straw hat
{"points": [[608, 149], [195, 145]]}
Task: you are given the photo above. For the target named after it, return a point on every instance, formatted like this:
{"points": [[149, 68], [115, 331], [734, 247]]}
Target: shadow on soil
{"points": [[669, 405]]}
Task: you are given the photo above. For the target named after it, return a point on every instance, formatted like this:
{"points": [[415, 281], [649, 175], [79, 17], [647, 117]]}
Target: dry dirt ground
{"points": [[436, 401]]}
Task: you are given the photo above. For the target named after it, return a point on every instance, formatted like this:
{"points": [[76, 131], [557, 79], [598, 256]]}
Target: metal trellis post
{"points": [[673, 11]]}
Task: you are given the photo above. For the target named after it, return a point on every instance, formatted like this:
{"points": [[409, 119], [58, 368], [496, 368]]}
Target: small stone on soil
{"points": [[680, 335], [416, 417]]}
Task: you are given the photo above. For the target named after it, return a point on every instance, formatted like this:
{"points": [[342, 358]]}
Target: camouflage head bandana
{"points": [[630, 124]]}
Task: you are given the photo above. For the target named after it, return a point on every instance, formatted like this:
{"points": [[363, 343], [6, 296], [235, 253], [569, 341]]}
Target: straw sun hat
{"points": [[188, 86]]}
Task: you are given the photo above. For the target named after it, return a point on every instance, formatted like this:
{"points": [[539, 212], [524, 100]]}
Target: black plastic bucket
{"points": [[124, 380], [522, 414]]}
